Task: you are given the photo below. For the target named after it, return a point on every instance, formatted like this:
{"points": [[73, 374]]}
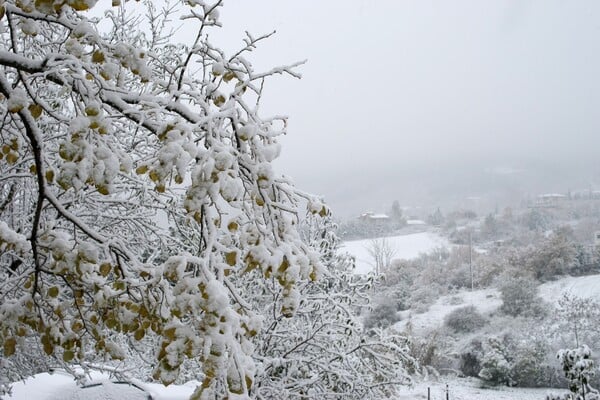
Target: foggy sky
{"points": [[399, 93]]}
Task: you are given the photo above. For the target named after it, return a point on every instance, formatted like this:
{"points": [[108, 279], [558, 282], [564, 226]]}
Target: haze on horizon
{"points": [[431, 101]]}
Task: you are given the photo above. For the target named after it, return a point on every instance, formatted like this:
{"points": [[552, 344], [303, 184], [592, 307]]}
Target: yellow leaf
{"points": [[231, 258], [11, 158], [68, 355], [79, 5], [98, 57], [105, 269], [35, 110], [102, 190], [10, 345], [219, 100], [229, 76], [49, 175], [139, 334], [53, 291]]}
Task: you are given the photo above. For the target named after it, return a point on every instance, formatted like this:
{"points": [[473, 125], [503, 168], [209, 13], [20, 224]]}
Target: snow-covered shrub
{"points": [[470, 364], [470, 358], [382, 316], [530, 366], [512, 361], [432, 353], [556, 255], [399, 295], [424, 296], [496, 363], [520, 297], [461, 277], [465, 319], [536, 220]]}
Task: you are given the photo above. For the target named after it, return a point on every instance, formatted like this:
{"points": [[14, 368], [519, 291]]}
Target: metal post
{"points": [[428, 393], [471, 258]]}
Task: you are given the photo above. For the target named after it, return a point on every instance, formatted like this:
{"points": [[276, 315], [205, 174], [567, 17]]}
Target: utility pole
{"points": [[471, 258]]}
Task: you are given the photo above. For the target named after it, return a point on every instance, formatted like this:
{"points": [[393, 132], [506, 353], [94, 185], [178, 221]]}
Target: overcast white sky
{"points": [[395, 85], [398, 95]]}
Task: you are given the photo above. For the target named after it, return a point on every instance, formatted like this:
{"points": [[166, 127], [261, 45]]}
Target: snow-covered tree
{"points": [[382, 252], [324, 351], [556, 255], [113, 139], [576, 319], [578, 367]]}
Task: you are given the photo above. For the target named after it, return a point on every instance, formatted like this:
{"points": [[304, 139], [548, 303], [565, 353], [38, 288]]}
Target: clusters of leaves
{"points": [[324, 351], [578, 367]]}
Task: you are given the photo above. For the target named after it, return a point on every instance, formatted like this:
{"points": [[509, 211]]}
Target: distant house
{"points": [[550, 200], [585, 194], [371, 217], [597, 239]]}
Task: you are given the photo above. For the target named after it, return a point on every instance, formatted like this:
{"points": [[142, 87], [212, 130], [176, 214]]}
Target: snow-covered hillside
{"points": [[485, 301], [488, 300], [580, 286], [404, 246]]}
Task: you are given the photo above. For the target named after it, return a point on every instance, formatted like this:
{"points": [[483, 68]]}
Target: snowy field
{"points": [[60, 386], [470, 389], [404, 246]]}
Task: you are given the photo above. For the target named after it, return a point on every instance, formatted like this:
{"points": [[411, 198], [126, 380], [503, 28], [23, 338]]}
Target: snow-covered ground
{"points": [[62, 386], [404, 246], [470, 389], [488, 300], [580, 286]]}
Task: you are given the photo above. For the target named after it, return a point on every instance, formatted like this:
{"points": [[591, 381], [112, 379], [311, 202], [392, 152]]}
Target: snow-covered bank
{"points": [[486, 301], [404, 246], [470, 389], [581, 286]]}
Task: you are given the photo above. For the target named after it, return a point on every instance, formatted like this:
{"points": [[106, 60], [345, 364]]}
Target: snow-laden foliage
{"points": [[578, 367], [324, 351], [111, 141], [576, 320]]}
